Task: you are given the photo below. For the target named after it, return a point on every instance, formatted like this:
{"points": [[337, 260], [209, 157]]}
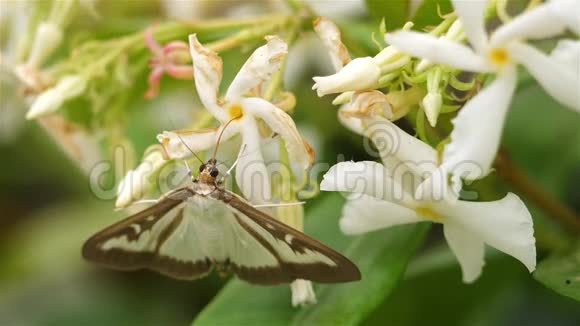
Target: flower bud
{"points": [[302, 293], [47, 39], [432, 106], [136, 182], [52, 99], [359, 74]]}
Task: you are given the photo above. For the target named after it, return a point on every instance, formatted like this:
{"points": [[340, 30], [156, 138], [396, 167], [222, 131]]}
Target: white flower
{"points": [[359, 74], [383, 196], [137, 181], [478, 126], [302, 293], [244, 110], [52, 99]]}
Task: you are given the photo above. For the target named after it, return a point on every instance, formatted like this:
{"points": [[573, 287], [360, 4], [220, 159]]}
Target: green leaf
{"points": [[427, 14], [382, 257], [393, 11], [561, 273]]}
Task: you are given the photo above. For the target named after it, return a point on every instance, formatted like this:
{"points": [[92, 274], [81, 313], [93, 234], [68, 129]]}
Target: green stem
{"points": [[524, 185], [245, 36], [278, 78], [299, 7]]}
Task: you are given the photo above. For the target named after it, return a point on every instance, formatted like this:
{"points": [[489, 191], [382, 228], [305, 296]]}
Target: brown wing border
{"points": [[130, 261], [344, 271]]}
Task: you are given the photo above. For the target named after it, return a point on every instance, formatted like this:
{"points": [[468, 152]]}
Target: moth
{"points": [[202, 226]]}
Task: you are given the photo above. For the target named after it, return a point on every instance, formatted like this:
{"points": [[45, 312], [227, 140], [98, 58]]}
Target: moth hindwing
{"points": [[196, 228]]}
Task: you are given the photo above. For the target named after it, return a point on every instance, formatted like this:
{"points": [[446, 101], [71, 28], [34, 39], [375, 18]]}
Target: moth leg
{"points": [[229, 171], [189, 173]]}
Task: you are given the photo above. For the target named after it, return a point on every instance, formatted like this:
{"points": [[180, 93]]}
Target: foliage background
{"points": [[47, 211]]}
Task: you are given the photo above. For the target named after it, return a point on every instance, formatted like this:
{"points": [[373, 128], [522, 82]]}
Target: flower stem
{"points": [[523, 184], [246, 35]]}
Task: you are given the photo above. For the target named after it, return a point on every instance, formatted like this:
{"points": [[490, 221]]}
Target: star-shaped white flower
{"points": [[245, 109], [385, 195], [477, 128]]}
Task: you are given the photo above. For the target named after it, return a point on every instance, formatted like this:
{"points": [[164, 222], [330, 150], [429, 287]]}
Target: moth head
{"points": [[208, 172]]}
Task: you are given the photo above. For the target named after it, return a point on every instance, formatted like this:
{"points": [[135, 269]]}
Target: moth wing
{"points": [[156, 238], [298, 255]]}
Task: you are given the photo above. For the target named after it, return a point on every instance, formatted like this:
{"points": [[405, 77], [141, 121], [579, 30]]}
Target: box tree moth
{"points": [[202, 226]]}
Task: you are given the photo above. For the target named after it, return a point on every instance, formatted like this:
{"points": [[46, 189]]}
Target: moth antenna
{"points": [[184, 144], [189, 148], [217, 144]]}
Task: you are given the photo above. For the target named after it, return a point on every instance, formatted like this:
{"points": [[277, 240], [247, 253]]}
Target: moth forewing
{"points": [[299, 256], [134, 243]]}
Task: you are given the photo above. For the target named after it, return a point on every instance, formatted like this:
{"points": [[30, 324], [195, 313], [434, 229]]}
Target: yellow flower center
{"points": [[428, 213], [499, 57], [236, 112]]}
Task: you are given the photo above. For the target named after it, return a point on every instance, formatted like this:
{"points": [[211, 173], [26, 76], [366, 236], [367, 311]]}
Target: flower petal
{"points": [[251, 174], [207, 68], [359, 74], [504, 224], [179, 144], [478, 127], [365, 214], [258, 69], [567, 11], [468, 249], [396, 147], [330, 36], [154, 81], [438, 50], [370, 103], [567, 52], [369, 178], [538, 23], [472, 16], [151, 43], [281, 123], [560, 81]]}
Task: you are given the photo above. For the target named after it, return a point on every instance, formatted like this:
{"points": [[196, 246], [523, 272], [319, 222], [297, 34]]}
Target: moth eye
{"points": [[201, 167], [214, 172]]}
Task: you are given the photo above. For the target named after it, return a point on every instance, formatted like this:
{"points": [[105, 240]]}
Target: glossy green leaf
{"points": [[393, 11], [561, 273], [381, 256]]}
